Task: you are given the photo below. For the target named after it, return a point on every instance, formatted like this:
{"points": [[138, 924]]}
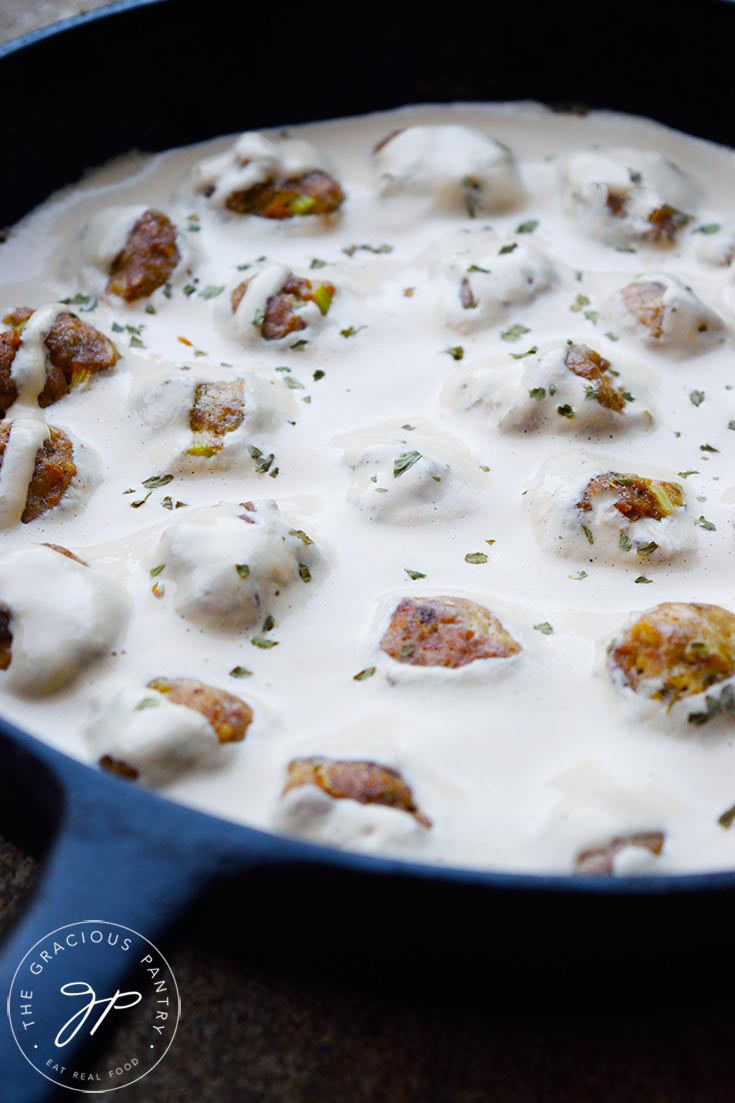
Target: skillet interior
{"points": [[153, 75]]}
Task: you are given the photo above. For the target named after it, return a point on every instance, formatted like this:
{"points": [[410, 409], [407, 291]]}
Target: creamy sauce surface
{"points": [[519, 765]]}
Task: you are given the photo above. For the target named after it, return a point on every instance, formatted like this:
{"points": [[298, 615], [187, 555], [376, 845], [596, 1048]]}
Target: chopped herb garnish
{"points": [[475, 557], [351, 331], [527, 227], [155, 571], [696, 398], [259, 317], [727, 818], [577, 577], [301, 536], [707, 448], [299, 345], [414, 574], [350, 250], [705, 524], [304, 573], [84, 302], [624, 542], [709, 228], [117, 328], [212, 291], [155, 481], [647, 550], [135, 342], [565, 410], [508, 248], [242, 569], [715, 706], [625, 249], [580, 302], [544, 628], [456, 352], [484, 467], [515, 332], [404, 462], [140, 502], [318, 263], [529, 352], [686, 474], [588, 533], [150, 308], [478, 268], [592, 316], [240, 672], [642, 580], [364, 674], [293, 383], [635, 176], [318, 374], [147, 703], [268, 623], [612, 336], [260, 641], [537, 392]]}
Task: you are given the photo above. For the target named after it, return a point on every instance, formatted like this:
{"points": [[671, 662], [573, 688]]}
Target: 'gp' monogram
{"points": [[81, 988]]}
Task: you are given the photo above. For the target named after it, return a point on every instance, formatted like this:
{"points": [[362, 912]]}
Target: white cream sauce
{"points": [[519, 763]]}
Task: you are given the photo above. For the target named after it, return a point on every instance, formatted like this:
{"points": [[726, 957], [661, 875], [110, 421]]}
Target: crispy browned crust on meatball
{"points": [[364, 782], [599, 861], [6, 640], [119, 768], [147, 259], [588, 364], [635, 497], [445, 631], [644, 299], [218, 408], [77, 351], [682, 648], [229, 717], [53, 471], [9, 345], [313, 193], [665, 222], [280, 318]]}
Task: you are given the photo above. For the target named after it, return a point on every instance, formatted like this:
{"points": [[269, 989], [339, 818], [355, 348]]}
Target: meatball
{"points": [[52, 475], [634, 497], [676, 650], [455, 167], [488, 277], [276, 179], [63, 616], [600, 861], [445, 631], [624, 196], [280, 318], [148, 258], [310, 193], [76, 351], [364, 782], [587, 364], [228, 716], [665, 313], [218, 408]]}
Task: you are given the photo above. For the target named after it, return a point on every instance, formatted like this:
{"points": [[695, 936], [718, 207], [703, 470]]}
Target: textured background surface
{"points": [[249, 1036]]}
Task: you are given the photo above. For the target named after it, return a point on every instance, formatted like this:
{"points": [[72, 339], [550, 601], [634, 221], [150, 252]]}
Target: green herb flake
{"points": [[475, 557], [155, 571], [521, 355], [364, 674], [647, 550], [484, 467], [404, 462], [707, 448], [155, 481], [612, 336], [515, 332], [686, 474], [414, 574], [624, 542], [264, 644], [588, 533], [579, 303], [242, 569], [527, 227], [578, 577], [350, 331], [538, 393], [456, 352], [317, 262], [304, 573], [731, 424], [293, 383], [479, 268], [318, 374], [696, 398], [135, 342], [240, 672], [507, 248], [642, 580], [544, 628], [140, 502], [705, 524], [727, 818], [565, 410], [147, 703], [709, 228]]}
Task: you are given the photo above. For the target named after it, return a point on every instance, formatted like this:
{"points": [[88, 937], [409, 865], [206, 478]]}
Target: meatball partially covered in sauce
{"points": [[273, 304], [445, 631], [53, 466], [148, 258], [47, 352], [456, 168], [675, 650], [364, 782], [665, 314], [270, 178], [154, 734]]}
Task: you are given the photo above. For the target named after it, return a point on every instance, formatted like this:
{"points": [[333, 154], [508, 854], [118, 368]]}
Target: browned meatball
{"points": [[644, 299], [313, 193], [599, 861], [229, 717], [445, 631], [365, 782], [588, 364], [52, 475], [680, 648], [76, 350], [279, 317], [148, 258], [219, 408], [6, 640], [664, 221], [635, 497]]}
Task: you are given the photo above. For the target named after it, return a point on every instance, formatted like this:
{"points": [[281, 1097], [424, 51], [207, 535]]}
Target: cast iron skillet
{"points": [[160, 73]]}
